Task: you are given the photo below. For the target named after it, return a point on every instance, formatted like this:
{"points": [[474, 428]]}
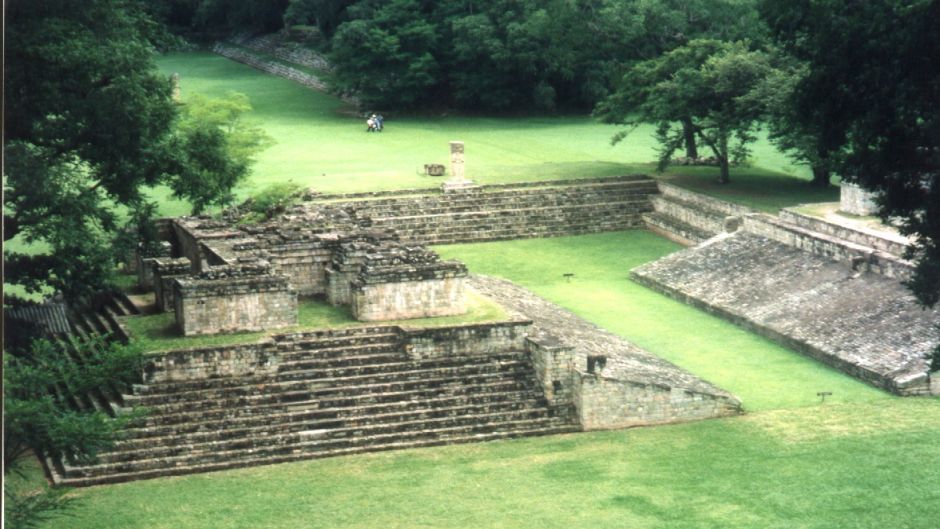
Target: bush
{"points": [[274, 199]]}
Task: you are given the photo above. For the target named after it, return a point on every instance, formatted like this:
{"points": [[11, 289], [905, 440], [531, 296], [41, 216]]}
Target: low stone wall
{"points": [[165, 272], [856, 200], [232, 302], [610, 382], [861, 258], [891, 243], [554, 364], [212, 362], [479, 339], [408, 299], [271, 67], [606, 403]]}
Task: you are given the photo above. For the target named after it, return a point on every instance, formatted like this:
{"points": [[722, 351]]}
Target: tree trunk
{"points": [[688, 129], [820, 176], [722, 154]]}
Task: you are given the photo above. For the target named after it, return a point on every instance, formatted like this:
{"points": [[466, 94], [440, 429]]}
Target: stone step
{"points": [[487, 203], [330, 408], [470, 235], [316, 441], [702, 202], [416, 441], [293, 423], [304, 350], [884, 241], [675, 229], [303, 363], [691, 213], [535, 212], [337, 334], [216, 388], [352, 396], [336, 342], [516, 228]]}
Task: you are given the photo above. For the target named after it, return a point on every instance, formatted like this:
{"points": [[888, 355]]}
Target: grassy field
{"points": [[763, 374], [321, 143], [860, 466]]}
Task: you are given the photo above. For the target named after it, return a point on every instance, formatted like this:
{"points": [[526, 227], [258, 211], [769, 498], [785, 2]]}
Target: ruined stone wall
{"points": [[504, 212], [857, 200], [605, 403], [862, 258], [305, 265], [465, 340], [554, 364], [210, 305], [212, 362], [408, 299], [165, 272]]}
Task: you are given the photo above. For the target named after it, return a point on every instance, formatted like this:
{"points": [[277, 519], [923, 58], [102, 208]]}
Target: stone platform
{"points": [[864, 323], [611, 382]]}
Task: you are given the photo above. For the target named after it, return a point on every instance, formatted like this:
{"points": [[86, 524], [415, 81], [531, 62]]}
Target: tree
{"points": [[871, 92], [86, 116], [40, 383], [707, 83], [212, 148], [386, 54], [798, 138]]}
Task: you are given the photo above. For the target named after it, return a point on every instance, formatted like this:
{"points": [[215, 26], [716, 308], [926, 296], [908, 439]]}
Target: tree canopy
{"points": [[870, 93], [89, 124]]}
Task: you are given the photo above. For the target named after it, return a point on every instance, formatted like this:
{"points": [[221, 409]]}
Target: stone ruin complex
{"points": [[314, 393]]}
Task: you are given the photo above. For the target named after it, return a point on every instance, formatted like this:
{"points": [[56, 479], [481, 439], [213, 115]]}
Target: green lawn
{"points": [[322, 144], [860, 466], [764, 375]]}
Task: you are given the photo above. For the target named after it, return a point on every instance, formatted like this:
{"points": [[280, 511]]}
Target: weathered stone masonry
{"points": [[228, 299]]}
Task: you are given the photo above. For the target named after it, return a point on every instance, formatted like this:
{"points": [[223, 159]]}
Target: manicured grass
{"points": [[859, 465], [158, 332], [321, 143], [763, 374]]}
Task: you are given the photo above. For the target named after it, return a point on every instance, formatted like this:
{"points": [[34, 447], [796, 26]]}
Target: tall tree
{"points": [[709, 83], [871, 91], [212, 149], [86, 118]]}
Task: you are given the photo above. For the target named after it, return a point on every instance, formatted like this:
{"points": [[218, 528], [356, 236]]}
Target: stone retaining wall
{"points": [[408, 299], [862, 323], [271, 67], [607, 403], [862, 258], [479, 339], [204, 363], [554, 364], [233, 302]]}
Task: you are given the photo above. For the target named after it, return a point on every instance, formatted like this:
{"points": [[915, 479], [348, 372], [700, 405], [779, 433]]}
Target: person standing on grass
{"points": [[379, 122]]}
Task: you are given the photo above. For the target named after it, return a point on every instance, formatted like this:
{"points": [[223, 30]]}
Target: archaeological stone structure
{"points": [[827, 289]]}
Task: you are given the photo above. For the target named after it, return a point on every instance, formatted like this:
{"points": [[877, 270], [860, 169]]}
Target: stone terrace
{"points": [[325, 393], [503, 212], [864, 323], [626, 386]]}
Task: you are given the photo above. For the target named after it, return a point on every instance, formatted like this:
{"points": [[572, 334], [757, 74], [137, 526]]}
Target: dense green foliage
{"points": [[89, 124], [704, 91], [40, 384], [85, 119], [213, 149], [870, 93]]}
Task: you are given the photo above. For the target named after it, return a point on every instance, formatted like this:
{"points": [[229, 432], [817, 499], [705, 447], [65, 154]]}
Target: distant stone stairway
{"points": [[512, 211], [333, 393], [688, 217]]}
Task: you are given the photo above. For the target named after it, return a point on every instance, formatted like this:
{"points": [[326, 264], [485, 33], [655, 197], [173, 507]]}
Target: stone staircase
{"points": [[511, 211], [333, 393], [688, 217]]}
